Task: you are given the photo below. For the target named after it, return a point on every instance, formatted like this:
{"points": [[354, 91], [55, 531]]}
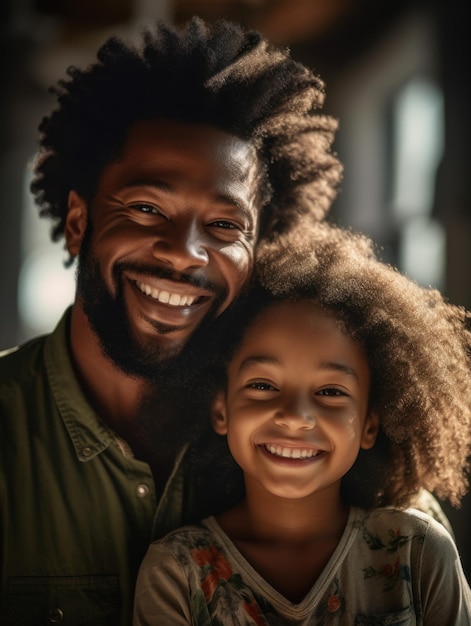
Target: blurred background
{"points": [[396, 73]]}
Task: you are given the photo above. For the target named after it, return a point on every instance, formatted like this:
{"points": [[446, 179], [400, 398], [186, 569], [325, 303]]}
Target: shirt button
{"points": [[56, 615], [142, 490], [86, 451]]}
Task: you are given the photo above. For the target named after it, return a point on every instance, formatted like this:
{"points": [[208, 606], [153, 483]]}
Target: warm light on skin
{"points": [[178, 212], [297, 387]]}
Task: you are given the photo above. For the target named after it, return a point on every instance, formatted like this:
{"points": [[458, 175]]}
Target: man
{"points": [[162, 168]]}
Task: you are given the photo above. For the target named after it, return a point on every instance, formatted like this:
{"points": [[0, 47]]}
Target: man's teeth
{"points": [[174, 299], [291, 453]]}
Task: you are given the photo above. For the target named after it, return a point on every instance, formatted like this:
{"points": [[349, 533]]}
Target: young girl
{"points": [[347, 390]]}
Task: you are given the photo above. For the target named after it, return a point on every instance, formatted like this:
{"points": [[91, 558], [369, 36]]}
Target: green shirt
{"points": [[77, 510]]}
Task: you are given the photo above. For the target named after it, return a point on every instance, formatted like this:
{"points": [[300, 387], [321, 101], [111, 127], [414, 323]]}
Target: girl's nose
{"points": [[297, 415]]}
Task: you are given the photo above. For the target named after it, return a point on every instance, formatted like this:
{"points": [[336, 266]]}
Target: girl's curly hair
{"points": [[217, 74], [417, 345]]}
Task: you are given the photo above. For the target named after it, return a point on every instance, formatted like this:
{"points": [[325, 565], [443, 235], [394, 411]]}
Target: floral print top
{"points": [[390, 568]]}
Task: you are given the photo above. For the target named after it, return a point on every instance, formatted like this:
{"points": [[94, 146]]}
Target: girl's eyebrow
{"points": [[256, 360], [336, 366], [340, 367]]}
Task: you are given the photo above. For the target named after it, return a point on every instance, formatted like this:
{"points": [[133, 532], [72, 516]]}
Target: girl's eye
{"points": [[262, 386], [331, 392]]}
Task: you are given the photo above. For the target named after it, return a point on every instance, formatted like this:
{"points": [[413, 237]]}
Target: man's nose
{"points": [[181, 245]]}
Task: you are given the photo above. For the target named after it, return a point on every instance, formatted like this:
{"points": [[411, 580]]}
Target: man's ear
{"points": [[75, 223], [218, 414], [370, 431]]}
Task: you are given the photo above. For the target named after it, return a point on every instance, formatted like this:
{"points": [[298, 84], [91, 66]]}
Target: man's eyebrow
{"points": [[149, 182], [223, 198], [232, 200]]}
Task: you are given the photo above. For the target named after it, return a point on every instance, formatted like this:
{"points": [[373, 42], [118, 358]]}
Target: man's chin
{"points": [[158, 358], [144, 360], [160, 353]]}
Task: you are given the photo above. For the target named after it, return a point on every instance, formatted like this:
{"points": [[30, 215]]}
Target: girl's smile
{"points": [[296, 407]]}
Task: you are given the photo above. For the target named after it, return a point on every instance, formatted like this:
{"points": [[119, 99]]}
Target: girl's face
{"points": [[295, 411]]}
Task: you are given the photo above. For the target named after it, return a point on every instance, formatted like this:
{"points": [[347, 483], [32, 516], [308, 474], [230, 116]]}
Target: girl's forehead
{"points": [[292, 319], [302, 311], [299, 317], [299, 335]]}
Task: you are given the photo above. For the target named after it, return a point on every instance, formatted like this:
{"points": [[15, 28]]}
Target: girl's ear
{"points": [[370, 431], [218, 414], [75, 223]]}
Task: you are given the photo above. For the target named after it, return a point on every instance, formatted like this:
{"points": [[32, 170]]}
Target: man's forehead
{"points": [[202, 150], [176, 132]]}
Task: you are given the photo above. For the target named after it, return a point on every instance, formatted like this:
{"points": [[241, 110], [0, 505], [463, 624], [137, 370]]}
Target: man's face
{"points": [[169, 241]]}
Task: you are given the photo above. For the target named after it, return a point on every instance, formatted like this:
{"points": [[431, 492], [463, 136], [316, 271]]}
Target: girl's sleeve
{"points": [[445, 591], [162, 590]]}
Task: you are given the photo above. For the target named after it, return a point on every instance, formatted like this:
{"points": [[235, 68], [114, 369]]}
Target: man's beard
{"points": [[108, 318]]}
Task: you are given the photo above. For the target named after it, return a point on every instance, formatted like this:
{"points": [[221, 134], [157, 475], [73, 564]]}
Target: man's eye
{"points": [[224, 224], [146, 208]]}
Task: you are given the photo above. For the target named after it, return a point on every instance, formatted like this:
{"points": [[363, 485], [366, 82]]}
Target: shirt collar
{"points": [[89, 435]]}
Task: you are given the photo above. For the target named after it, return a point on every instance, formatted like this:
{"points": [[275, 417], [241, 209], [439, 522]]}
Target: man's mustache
{"points": [[163, 273]]}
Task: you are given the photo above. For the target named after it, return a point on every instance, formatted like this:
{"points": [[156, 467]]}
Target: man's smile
{"points": [[167, 296]]}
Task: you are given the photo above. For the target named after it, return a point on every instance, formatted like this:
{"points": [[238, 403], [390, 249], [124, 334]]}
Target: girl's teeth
{"points": [[290, 453]]}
